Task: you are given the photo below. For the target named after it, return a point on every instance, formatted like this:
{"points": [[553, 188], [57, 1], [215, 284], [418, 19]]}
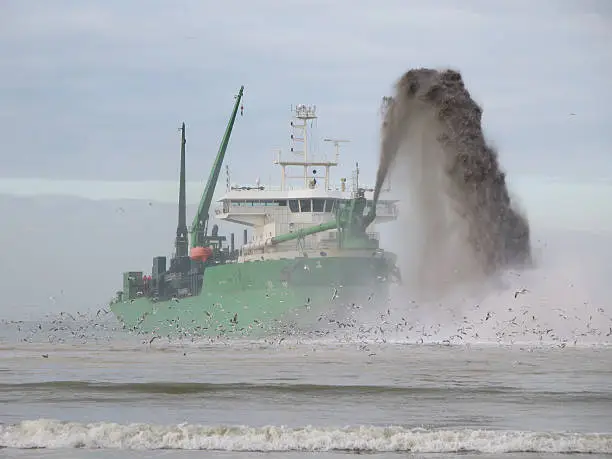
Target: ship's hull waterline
{"points": [[258, 298]]}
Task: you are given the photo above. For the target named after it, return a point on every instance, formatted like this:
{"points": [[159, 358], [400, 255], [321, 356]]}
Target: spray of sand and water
{"points": [[464, 219], [463, 245]]}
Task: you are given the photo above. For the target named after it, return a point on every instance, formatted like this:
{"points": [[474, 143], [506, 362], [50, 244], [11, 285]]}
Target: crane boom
{"points": [[200, 221]]}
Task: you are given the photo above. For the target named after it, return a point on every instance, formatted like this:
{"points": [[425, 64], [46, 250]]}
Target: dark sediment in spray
{"points": [[432, 135]]}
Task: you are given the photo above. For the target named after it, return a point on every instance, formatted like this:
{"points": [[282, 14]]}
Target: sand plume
{"points": [[467, 225]]}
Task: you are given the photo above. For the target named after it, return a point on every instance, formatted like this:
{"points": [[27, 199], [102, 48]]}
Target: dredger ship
{"points": [[312, 247]]}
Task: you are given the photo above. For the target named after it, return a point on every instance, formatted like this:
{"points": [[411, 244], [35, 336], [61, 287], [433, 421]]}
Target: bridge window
{"points": [[305, 205], [318, 205], [293, 205], [330, 205]]}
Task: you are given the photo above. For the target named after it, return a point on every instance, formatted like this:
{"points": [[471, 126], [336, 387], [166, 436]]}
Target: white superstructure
{"points": [[274, 211]]}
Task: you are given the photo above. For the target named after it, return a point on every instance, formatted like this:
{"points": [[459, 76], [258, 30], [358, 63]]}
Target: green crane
{"points": [[199, 228]]}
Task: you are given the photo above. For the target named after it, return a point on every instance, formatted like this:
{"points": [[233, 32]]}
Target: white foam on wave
{"points": [[45, 433]]}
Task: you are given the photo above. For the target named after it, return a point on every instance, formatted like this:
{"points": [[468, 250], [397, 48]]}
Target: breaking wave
{"points": [[44, 433]]}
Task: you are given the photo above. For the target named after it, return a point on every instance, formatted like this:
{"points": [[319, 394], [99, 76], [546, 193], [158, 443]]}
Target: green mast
{"points": [[199, 227], [181, 230]]}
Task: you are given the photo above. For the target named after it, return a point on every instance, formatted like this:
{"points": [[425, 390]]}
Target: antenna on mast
{"points": [[337, 145], [355, 190]]}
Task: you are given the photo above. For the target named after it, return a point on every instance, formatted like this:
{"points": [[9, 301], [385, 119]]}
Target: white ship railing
{"points": [[288, 187]]}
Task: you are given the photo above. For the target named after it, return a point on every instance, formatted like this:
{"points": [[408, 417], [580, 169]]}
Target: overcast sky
{"points": [[95, 90], [92, 92]]}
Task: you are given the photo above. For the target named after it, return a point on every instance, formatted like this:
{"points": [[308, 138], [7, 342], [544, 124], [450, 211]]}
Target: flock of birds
{"points": [[515, 323]]}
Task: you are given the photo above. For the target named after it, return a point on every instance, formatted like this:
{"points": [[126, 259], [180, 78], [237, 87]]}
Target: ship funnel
{"points": [[181, 230]]}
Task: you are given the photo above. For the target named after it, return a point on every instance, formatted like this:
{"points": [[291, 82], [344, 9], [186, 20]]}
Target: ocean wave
{"points": [[186, 388], [44, 433], [195, 388]]}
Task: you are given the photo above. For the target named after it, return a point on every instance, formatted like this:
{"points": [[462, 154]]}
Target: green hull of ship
{"points": [[261, 297]]}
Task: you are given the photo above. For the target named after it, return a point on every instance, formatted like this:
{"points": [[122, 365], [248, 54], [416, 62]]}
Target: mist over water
{"points": [[464, 225]]}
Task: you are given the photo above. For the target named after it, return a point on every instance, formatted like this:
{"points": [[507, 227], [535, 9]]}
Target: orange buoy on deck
{"points": [[200, 253]]}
